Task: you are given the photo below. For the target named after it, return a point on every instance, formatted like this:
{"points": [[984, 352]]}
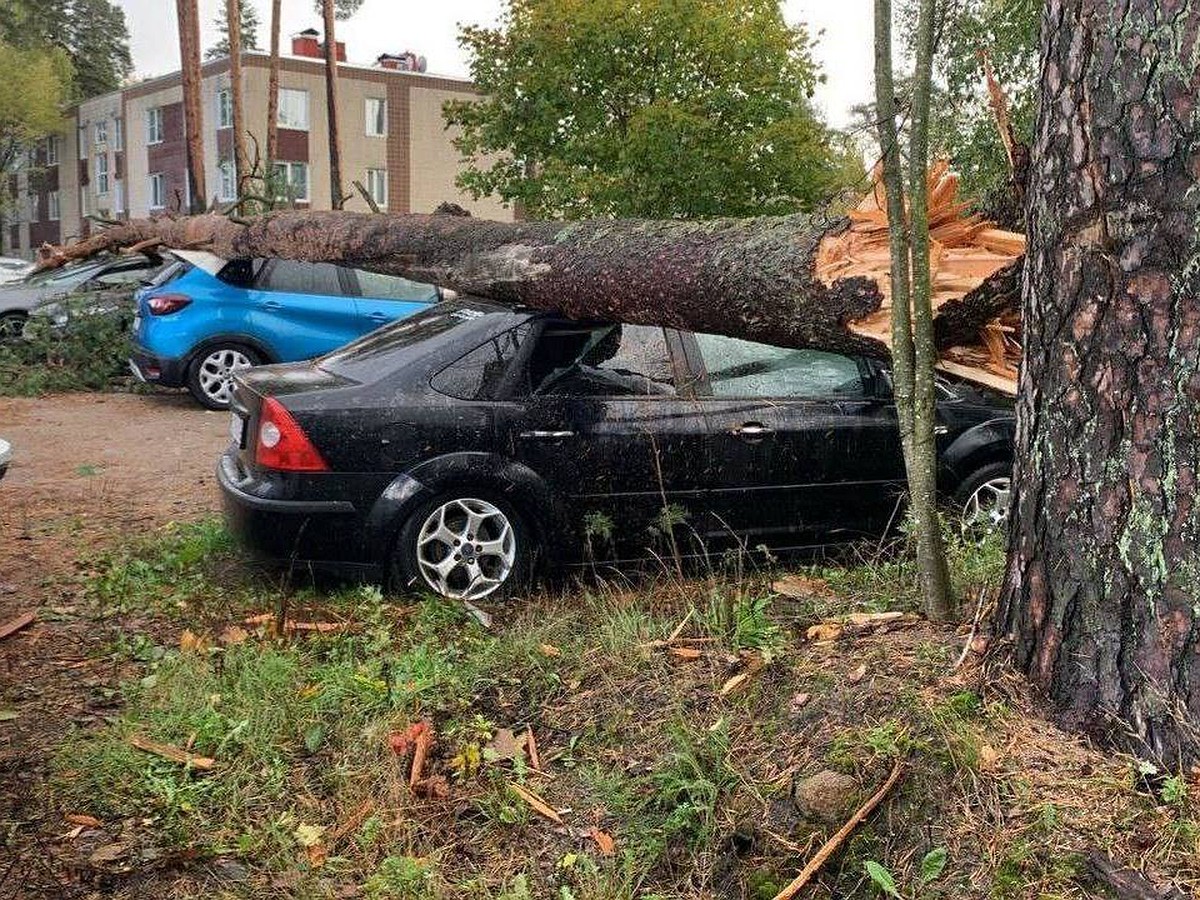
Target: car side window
{"points": [[479, 374], [601, 360], [291, 277], [392, 287], [740, 369]]}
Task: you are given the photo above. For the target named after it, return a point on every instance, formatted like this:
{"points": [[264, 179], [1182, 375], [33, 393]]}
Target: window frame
{"points": [[154, 116], [280, 111], [160, 178], [372, 177], [32, 213], [53, 207], [52, 150], [224, 100], [369, 119], [307, 180], [103, 182], [100, 132], [701, 388]]}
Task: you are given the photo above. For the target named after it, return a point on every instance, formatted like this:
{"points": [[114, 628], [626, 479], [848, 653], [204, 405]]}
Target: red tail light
{"points": [[281, 443], [163, 304]]}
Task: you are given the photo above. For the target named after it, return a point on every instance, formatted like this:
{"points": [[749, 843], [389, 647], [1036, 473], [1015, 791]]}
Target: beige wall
{"points": [[105, 109], [434, 162]]}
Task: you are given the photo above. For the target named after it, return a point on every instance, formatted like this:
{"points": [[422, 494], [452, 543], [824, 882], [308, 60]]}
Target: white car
{"points": [[5, 456], [13, 269]]}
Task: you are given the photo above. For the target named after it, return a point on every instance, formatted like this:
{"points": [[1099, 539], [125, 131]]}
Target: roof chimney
{"points": [[402, 62], [306, 43]]}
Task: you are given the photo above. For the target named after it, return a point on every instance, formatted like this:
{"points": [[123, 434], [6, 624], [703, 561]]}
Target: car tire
{"points": [[210, 373], [983, 499], [425, 543], [12, 324]]}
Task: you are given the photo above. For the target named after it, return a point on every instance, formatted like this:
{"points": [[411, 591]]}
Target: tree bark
{"points": [[233, 10], [193, 112], [913, 350], [331, 104], [273, 94], [750, 278], [1104, 569]]}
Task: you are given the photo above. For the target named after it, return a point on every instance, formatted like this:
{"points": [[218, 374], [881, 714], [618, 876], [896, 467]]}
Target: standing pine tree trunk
{"points": [[193, 118], [1103, 585], [273, 92], [331, 103], [233, 10], [913, 350]]}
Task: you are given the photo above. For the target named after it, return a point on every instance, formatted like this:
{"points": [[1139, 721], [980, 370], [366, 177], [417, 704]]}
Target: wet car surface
{"points": [[468, 447]]}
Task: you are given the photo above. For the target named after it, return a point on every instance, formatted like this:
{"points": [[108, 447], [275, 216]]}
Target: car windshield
{"points": [[361, 359], [68, 276]]}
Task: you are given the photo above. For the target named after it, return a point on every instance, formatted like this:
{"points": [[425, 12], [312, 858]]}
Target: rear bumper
{"points": [[326, 534], [152, 369]]}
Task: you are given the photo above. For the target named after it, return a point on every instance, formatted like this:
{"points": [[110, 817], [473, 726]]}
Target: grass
{"points": [[635, 743]]}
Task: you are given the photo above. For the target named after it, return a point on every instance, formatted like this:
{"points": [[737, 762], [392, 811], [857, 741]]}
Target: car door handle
{"points": [[752, 432], [272, 305], [546, 435]]}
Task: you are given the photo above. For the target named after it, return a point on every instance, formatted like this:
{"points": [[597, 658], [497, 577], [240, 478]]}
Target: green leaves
{"points": [[664, 108], [882, 877], [932, 864]]}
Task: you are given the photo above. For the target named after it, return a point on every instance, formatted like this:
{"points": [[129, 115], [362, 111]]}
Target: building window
{"points": [[224, 109], [52, 209], [376, 117], [154, 126], [52, 151], [118, 196], [293, 109], [292, 180], [118, 134], [101, 129], [32, 202], [228, 180], [377, 186], [158, 191], [102, 173]]}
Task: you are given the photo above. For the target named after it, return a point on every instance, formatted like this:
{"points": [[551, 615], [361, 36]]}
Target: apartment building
{"points": [[124, 154]]}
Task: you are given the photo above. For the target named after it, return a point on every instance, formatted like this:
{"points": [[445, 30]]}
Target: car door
{"points": [[302, 309], [792, 455], [599, 415], [385, 298]]}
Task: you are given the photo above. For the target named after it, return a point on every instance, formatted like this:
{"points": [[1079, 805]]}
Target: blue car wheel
{"points": [[210, 375]]}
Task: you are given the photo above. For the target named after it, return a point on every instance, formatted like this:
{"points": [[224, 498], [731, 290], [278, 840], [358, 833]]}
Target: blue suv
{"points": [[204, 318]]}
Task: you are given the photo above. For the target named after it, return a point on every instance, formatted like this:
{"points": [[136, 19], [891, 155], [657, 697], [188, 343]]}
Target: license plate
{"points": [[237, 428]]}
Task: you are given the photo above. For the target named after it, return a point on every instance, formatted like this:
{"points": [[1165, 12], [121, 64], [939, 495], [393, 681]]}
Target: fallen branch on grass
{"points": [[12, 626], [171, 752], [536, 803], [1126, 883], [830, 846]]}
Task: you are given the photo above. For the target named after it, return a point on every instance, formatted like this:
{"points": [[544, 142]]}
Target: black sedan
{"points": [[464, 448]]}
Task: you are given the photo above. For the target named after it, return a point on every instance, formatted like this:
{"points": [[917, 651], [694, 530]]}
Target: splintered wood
{"points": [[965, 250]]}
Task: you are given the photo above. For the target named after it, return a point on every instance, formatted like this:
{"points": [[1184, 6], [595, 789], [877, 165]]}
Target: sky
{"points": [[431, 29]]}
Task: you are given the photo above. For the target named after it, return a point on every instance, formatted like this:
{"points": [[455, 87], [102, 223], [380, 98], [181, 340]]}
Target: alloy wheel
{"points": [[466, 549], [217, 370], [986, 510]]}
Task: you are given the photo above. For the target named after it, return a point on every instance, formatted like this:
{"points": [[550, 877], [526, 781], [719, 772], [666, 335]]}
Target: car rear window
{"points": [[377, 286], [380, 351], [290, 277]]}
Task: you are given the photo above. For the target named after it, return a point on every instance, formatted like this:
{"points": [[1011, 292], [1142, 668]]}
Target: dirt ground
{"points": [[87, 468]]}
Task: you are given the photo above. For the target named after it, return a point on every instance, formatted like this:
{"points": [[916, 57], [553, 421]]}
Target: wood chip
{"points": [[737, 683], [535, 758], [857, 675], [81, 819], [687, 654], [506, 745], [549, 650], [173, 753], [536, 803], [12, 626], [604, 841], [823, 632]]}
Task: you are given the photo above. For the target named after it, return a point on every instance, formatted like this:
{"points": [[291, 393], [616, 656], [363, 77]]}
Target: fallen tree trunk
{"points": [[779, 280]]}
